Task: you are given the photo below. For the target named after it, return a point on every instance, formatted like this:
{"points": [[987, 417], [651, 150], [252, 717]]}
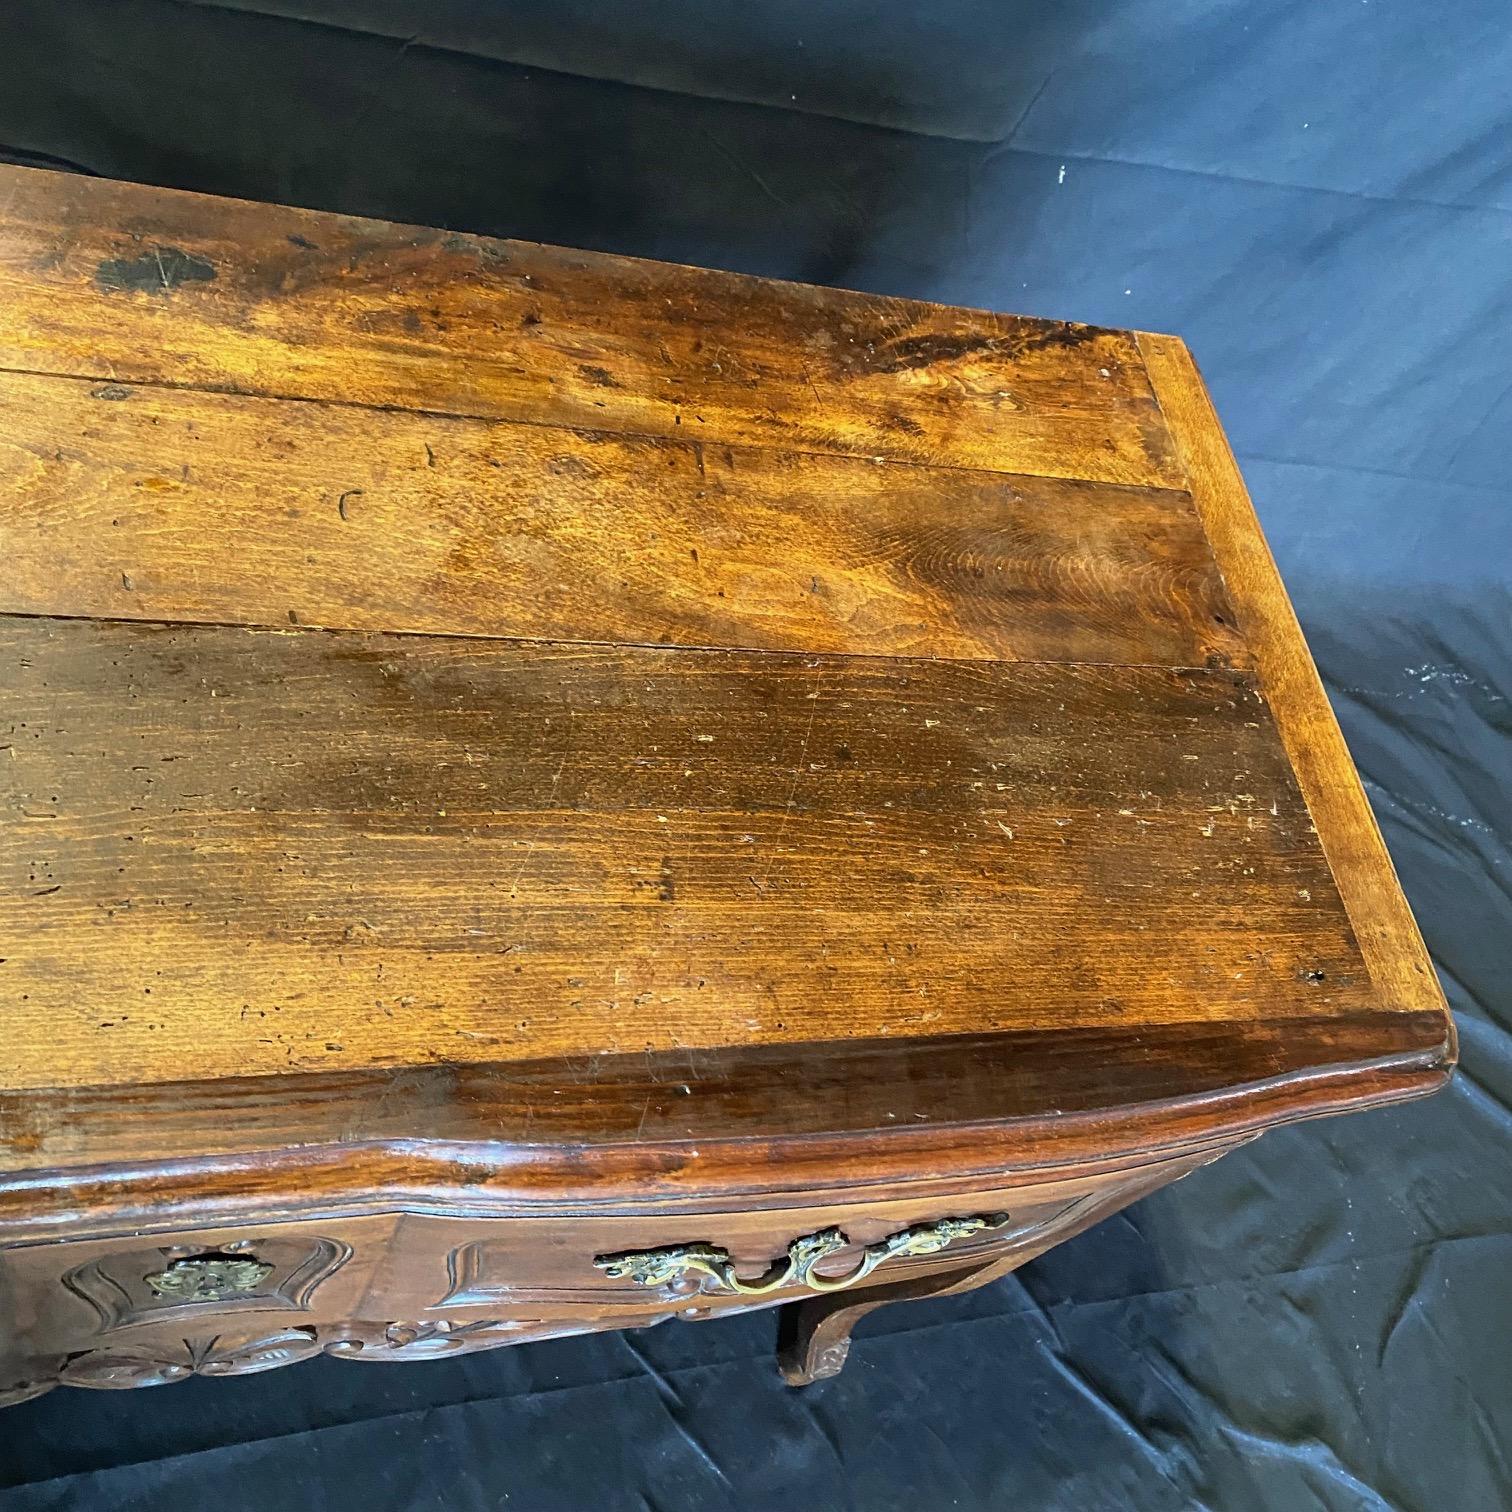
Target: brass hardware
{"points": [[711, 1271], [209, 1278]]}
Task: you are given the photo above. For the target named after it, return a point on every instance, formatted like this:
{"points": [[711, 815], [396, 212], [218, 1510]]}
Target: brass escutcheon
{"points": [[209, 1278]]}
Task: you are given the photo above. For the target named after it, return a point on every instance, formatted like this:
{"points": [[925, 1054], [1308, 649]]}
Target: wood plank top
{"points": [[426, 652], [140, 502], [115, 281], [334, 850]]}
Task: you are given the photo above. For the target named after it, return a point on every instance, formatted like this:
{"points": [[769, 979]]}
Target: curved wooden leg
{"points": [[814, 1335]]}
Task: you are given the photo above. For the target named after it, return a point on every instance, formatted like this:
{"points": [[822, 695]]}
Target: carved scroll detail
{"points": [[432, 1337], [121, 1368]]}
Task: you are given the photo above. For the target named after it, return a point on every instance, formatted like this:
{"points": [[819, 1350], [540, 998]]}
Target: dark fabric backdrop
{"points": [[1317, 194]]}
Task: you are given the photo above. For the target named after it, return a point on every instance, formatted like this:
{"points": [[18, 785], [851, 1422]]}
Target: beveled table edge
{"points": [[500, 1178], [1385, 930]]}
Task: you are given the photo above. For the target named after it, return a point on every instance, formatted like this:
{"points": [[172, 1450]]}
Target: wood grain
{"points": [[234, 851], [1059, 1091], [488, 1178], [116, 281], [164, 504], [1347, 828], [513, 753]]}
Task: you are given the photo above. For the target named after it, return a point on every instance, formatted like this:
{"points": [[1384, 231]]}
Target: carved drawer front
{"points": [[168, 1282], [698, 1262], [121, 1292]]}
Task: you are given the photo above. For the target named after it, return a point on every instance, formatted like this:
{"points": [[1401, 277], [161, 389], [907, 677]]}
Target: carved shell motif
{"points": [[122, 1367]]}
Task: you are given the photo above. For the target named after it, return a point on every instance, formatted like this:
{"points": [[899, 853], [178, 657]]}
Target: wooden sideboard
{"points": [[547, 792]]}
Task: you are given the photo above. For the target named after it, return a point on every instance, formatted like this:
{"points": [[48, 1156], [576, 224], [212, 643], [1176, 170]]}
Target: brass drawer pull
{"points": [[210, 1278], [710, 1267]]}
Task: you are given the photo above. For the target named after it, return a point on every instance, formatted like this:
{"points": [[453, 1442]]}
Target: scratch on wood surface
{"points": [[798, 770], [540, 828], [813, 387]]}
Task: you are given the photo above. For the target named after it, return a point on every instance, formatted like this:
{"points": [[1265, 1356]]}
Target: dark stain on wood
{"points": [[513, 327], [432, 836], [157, 271]]}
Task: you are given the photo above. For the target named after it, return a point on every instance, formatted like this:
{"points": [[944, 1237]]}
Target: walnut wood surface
{"points": [[601, 753], [243, 851], [815, 1333], [119, 282], [402, 1285], [137, 502], [1184, 1078], [1383, 923]]}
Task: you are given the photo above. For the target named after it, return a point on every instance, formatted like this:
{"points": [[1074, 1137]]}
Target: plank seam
{"points": [[857, 458], [1245, 673]]}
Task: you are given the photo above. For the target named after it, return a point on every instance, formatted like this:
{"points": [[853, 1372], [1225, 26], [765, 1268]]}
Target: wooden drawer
{"points": [[149, 1309], [723, 1259], [111, 1302]]}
